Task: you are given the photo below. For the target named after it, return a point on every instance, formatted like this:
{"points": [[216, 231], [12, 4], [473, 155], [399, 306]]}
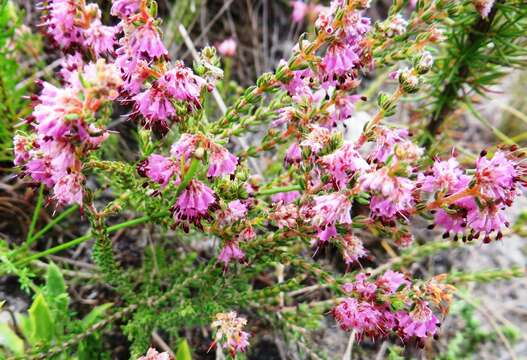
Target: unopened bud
{"points": [[409, 81], [424, 62]]}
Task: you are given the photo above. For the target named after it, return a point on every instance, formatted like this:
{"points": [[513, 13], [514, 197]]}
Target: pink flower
{"points": [[182, 84], [153, 354], [40, 170], [237, 209], [445, 176], [124, 8], [184, 147], [285, 197], [239, 343], [365, 318], [483, 7], [391, 281], [230, 251], [21, 145], [362, 287], [229, 332], [352, 248], [221, 161], [344, 163], [496, 177], [392, 194], [331, 209], [420, 322], [340, 59], [486, 219], [60, 22], [293, 154], [69, 189], [193, 203], [227, 47], [317, 138], [300, 9], [100, 38], [155, 106], [386, 142], [284, 215], [145, 41], [159, 169]]}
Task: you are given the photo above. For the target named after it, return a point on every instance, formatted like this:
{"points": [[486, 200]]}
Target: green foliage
{"points": [[183, 351]]}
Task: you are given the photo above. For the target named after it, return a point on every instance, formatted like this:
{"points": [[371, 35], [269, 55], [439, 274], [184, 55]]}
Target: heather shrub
{"points": [[248, 191]]}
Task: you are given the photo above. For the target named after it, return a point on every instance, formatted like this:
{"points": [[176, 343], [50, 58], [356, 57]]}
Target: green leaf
{"points": [[183, 351], [55, 285], [10, 340], [95, 315], [41, 322]]}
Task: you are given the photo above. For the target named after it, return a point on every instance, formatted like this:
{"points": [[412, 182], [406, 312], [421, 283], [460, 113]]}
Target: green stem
{"points": [[84, 238], [36, 213], [188, 176], [277, 190]]}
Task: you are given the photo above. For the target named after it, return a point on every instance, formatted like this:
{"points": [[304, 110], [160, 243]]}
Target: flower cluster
{"points": [[389, 305], [66, 129], [229, 332], [153, 354]]}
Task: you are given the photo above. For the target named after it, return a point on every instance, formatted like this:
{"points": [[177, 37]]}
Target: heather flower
{"points": [[155, 106], [396, 26], [124, 8], [22, 146], [300, 9], [182, 84], [342, 108], [231, 251], [340, 59], [328, 211], [392, 194], [284, 215], [343, 164], [237, 209], [362, 287], [70, 64], [486, 219], [153, 354], [445, 176], [496, 177], [69, 189], [365, 318], [293, 154], [483, 7], [352, 248], [221, 161], [159, 169], [184, 147], [40, 170], [227, 47], [145, 41], [285, 197], [386, 141], [391, 281], [60, 22], [317, 138], [229, 332], [193, 203], [420, 322], [99, 37]]}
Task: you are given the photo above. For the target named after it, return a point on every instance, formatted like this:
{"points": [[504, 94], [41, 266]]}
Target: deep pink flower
{"points": [[159, 169], [496, 177], [365, 318], [344, 163], [221, 161], [340, 59], [99, 37], [231, 251], [40, 170], [60, 22], [69, 189], [193, 203], [155, 106], [183, 84], [486, 219], [146, 41], [420, 322]]}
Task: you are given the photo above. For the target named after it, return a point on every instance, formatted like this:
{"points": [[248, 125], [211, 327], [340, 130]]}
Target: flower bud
{"points": [[423, 63], [409, 81], [199, 153]]}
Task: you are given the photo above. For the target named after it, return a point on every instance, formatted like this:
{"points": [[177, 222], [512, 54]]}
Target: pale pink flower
{"points": [[69, 189], [317, 138], [365, 318], [153, 354], [227, 47], [124, 8], [221, 161], [300, 10], [352, 248], [22, 145], [237, 209], [445, 176], [285, 197], [391, 281], [183, 85], [483, 7], [229, 332], [184, 147], [496, 177], [334, 208], [284, 215]]}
